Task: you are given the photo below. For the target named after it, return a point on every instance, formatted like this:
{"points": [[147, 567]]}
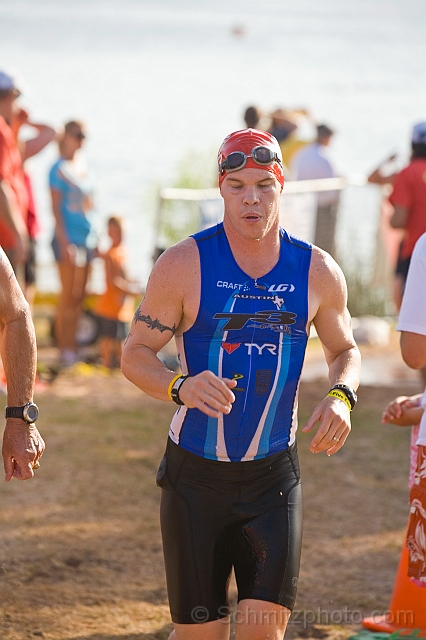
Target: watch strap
{"points": [[174, 393], [14, 412]]}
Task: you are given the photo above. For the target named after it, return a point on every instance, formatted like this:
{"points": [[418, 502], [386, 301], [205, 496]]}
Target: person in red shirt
{"points": [[409, 201], [44, 134], [13, 192]]}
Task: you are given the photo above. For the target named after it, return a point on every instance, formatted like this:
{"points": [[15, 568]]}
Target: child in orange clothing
{"points": [[113, 308]]}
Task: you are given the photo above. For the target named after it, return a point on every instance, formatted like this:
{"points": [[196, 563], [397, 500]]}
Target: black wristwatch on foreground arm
{"points": [[28, 413]]}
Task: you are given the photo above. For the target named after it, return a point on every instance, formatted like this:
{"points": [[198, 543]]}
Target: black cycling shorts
{"points": [[217, 515]]}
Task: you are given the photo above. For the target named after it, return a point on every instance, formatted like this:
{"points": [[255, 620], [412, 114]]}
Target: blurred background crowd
{"points": [[138, 108]]}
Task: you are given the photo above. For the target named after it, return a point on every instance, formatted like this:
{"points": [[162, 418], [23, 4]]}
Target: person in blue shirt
{"points": [[240, 298], [75, 236]]}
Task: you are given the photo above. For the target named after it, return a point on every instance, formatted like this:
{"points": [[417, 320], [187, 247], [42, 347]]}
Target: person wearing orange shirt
{"points": [[114, 308]]}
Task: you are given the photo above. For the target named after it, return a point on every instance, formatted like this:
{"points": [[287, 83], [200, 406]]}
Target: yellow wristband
{"points": [[335, 393], [169, 390]]}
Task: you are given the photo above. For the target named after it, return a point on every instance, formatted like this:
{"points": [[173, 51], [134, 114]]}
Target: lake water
{"points": [[154, 80]]}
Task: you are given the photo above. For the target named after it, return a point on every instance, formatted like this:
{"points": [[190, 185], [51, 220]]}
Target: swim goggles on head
{"points": [[236, 160]]}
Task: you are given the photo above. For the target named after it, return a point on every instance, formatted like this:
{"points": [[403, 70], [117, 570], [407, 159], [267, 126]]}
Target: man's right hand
{"points": [[23, 446], [208, 393]]}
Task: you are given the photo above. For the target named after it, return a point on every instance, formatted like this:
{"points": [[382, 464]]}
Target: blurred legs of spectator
{"points": [[73, 281]]}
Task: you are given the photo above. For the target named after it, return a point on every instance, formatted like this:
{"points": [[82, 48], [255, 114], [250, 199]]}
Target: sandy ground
{"points": [[80, 550]]}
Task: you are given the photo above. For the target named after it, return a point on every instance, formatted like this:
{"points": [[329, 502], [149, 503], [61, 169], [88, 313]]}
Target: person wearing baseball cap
{"points": [[408, 198], [13, 190], [11, 82], [418, 135], [239, 298]]}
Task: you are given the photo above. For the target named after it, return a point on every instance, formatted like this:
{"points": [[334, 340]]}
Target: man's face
{"points": [[252, 199]]}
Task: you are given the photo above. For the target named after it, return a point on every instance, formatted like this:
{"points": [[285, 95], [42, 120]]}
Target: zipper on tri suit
{"points": [[259, 286]]}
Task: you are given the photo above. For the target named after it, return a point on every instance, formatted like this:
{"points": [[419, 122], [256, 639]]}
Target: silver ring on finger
{"points": [[336, 439]]}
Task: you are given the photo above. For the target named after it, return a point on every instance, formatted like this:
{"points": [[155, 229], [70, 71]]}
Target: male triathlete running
{"points": [[240, 298]]}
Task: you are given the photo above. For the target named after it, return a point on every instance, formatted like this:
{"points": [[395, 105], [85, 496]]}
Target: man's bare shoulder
{"points": [[324, 269], [327, 284], [179, 258], [175, 268], [183, 251]]}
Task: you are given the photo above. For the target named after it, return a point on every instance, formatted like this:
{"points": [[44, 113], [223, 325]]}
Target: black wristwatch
{"points": [[29, 412], [349, 393], [175, 390]]}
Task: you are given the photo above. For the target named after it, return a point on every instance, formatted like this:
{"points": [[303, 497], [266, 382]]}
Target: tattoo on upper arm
{"points": [[152, 324]]}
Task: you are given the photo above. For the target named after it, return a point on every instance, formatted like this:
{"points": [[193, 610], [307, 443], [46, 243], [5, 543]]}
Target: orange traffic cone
{"points": [[407, 610]]}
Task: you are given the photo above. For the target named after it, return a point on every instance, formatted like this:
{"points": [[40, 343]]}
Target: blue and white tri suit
{"points": [[253, 331]]}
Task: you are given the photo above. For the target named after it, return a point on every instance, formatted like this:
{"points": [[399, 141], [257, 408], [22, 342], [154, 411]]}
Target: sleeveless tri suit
{"points": [[231, 486], [253, 331]]}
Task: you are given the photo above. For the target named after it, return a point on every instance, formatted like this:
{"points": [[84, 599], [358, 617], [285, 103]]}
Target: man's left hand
{"points": [[23, 447], [335, 426]]}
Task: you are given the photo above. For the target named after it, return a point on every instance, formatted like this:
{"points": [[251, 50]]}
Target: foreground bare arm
{"points": [[333, 324], [413, 349], [412, 316], [22, 443]]}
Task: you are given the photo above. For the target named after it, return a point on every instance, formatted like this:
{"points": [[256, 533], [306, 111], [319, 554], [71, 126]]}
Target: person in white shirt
{"points": [[315, 161], [412, 324]]}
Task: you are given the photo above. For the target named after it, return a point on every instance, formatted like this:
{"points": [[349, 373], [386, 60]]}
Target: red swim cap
{"points": [[245, 140]]}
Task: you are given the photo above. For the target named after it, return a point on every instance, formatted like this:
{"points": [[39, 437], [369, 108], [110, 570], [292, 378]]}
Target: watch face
{"points": [[32, 412]]}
